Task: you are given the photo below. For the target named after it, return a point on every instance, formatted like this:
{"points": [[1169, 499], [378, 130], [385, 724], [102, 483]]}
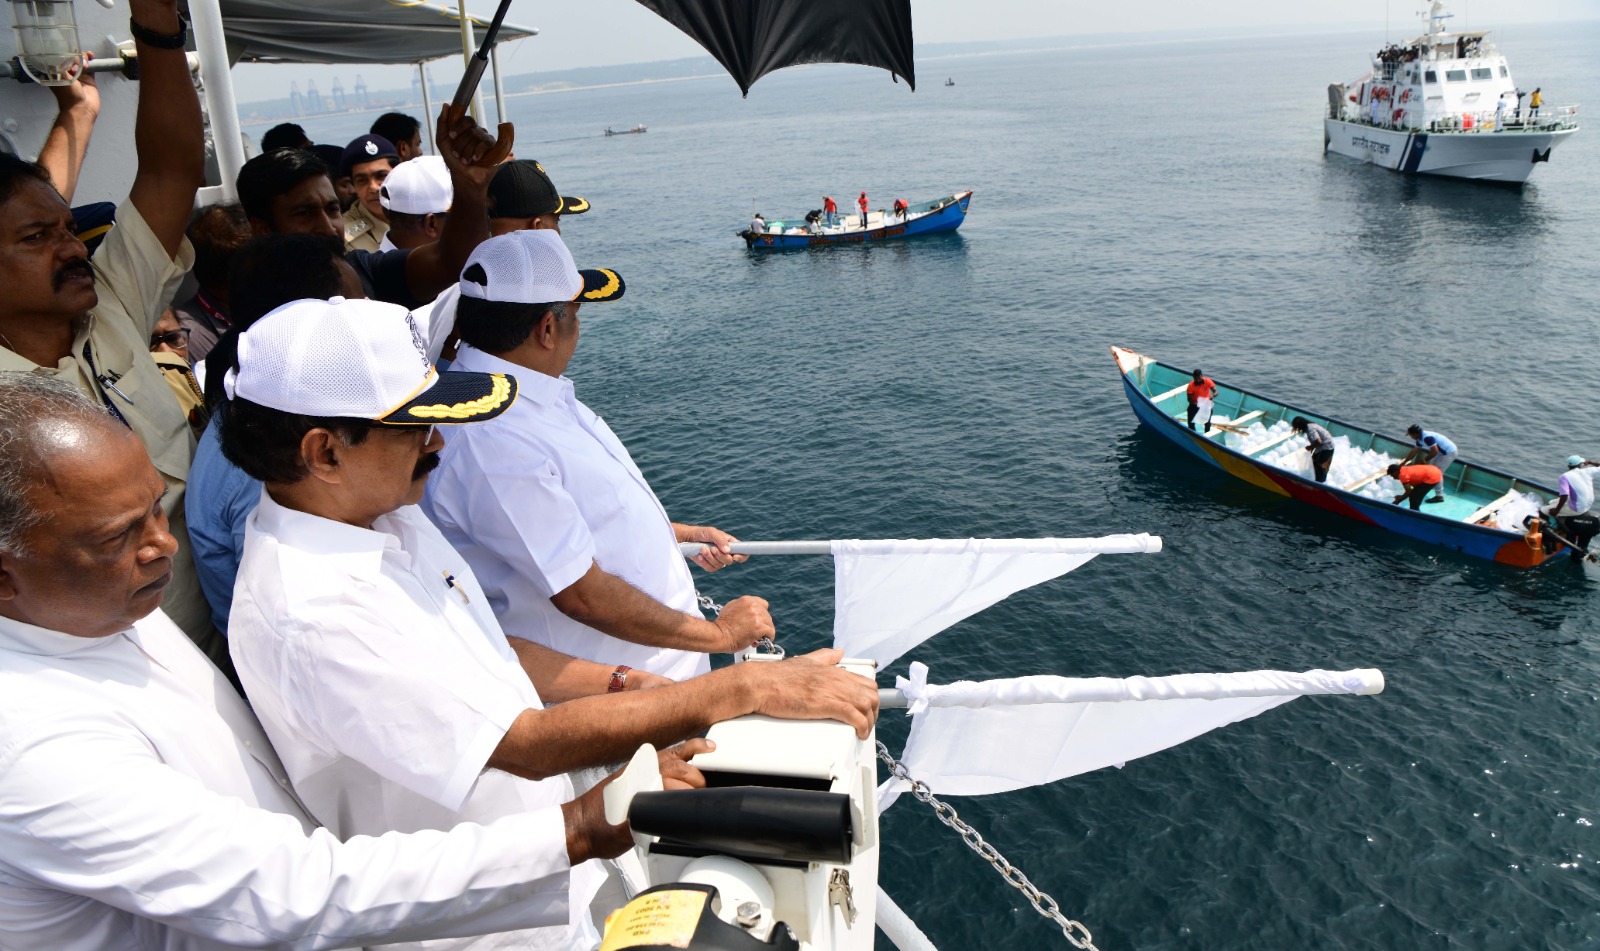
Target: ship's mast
{"points": [[1436, 18]]}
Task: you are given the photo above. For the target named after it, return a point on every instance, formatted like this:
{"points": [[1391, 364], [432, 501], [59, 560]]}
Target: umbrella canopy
{"points": [[345, 31], [751, 38]]}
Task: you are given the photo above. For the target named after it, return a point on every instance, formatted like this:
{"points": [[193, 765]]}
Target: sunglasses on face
{"points": [[172, 338]]}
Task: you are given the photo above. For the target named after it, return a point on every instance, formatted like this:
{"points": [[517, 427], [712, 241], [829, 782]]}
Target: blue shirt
{"points": [[219, 499], [1432, 440]]}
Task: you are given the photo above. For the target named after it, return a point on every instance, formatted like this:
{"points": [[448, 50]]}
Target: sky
{"points": [[612, 32]]}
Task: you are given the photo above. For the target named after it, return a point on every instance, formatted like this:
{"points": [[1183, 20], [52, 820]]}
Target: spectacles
{"points": [[172, 338]]}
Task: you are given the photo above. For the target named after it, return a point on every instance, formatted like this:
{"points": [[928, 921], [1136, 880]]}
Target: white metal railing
{"points": [[1548, 119]]}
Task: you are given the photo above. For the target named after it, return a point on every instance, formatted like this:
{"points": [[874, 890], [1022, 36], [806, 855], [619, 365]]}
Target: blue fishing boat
{"points": [[1482, 514], [928, 217]]}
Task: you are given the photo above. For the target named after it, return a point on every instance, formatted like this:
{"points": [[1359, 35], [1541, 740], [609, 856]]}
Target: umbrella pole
{"points": [[468, 46]]}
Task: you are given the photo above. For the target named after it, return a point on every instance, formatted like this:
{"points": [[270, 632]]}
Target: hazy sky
{"points": [[609, 32]]}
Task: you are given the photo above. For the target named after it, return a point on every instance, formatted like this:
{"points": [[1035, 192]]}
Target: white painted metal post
{"points": [[427, 106], [217, 78], [898, 927], [499, 88]]}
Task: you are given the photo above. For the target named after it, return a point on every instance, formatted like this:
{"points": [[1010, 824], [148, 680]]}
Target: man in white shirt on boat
{"points": [[1573, 509], [573, 547], [365, 643], [141, 805], [1436, 450]]}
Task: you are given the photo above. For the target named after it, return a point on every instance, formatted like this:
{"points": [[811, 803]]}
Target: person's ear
{"points": [[545, 331], [320, 453], [8, 583]]}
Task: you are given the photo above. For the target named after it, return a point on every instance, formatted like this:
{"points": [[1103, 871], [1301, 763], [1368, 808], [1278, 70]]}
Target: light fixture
{"points": [[47, 40]]}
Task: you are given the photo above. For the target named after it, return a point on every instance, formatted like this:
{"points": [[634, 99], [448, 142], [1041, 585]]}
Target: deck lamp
{"points": [[47, 40]]}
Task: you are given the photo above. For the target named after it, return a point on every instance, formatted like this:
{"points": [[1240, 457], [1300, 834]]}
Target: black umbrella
{"points": [[751, 38]]}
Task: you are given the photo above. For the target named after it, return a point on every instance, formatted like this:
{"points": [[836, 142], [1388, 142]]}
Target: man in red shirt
{"points": [[1417, 481], [829, 208], [1203, 388], [862, 203]]}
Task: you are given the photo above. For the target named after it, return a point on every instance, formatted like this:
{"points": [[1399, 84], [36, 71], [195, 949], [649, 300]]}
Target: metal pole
{"points": [[891, 699], [898, 927], [468, 47], [499, 88], [217, 78], [1112, 544], [427, 105]]}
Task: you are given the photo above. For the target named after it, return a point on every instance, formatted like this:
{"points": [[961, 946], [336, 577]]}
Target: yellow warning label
{"points": [[659, 918]]}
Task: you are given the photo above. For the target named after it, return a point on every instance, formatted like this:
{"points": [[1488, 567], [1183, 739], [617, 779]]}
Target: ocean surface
{"points": [[1172, 197]]}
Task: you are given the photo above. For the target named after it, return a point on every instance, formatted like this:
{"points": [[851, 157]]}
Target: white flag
{"points": [[972, 739], [890, 595]]}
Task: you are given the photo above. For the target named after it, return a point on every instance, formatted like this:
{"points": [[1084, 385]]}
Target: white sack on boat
{"points": [[973, 739], [889, 595]]}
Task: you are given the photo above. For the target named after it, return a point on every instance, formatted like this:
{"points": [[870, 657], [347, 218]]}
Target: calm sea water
{"points": [[1171, 197]]}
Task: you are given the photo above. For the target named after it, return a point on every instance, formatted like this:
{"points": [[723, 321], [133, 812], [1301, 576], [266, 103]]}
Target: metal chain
{"points": [[1076, 934], [766, 645]]}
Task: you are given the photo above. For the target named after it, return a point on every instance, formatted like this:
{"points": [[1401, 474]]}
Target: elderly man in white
{"points": [[572, 546], [141, 805], [365, 643]]}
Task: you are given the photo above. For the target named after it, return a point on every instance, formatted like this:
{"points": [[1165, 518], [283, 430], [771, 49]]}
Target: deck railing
{"points": [[1548, 119]]}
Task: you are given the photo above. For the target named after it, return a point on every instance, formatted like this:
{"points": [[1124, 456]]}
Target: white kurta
{"points": [[376, 666], [141, 806], [535, 496]]}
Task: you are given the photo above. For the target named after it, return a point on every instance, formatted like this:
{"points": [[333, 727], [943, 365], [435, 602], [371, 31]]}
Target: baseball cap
{"points": [[357, 359], [363, 149], [534, 267], [418, 187], [1574, 462], [522, 189]]}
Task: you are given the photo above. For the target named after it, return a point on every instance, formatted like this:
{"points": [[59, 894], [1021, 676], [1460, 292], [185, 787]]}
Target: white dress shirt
{"points": [[142, 807], [535, 496], [379, 672]]}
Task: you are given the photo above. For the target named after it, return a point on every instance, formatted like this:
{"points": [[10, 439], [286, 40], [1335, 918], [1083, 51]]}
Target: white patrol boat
{"points": [[1444, 104]]}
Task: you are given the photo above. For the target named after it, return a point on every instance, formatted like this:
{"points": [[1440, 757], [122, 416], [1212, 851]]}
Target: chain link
{"points": [[766, 645], [1076, 934]]}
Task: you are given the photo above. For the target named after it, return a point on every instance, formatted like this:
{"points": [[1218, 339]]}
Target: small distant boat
{"points": [[1478, 502], [949, 82], [928, 217], [636, 130], [1444, 104]]}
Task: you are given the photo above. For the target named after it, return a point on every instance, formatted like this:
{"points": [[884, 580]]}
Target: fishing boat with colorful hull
{"points": [[1480, 516], [927, 217]]}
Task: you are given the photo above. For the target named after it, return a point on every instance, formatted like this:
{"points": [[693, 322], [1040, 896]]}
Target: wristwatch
{"points": [[619, 679]]}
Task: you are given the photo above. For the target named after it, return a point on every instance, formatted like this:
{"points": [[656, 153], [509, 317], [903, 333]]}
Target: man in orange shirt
{"points": [[862, 204], [829, 208], [1203, 388], [1417, 481]]}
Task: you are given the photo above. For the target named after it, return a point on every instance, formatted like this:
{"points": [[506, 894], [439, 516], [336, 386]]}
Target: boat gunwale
{"points": [[1341, 491]]}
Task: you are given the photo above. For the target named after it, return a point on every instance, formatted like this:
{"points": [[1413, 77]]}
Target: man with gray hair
{"points": [[141, 804]]}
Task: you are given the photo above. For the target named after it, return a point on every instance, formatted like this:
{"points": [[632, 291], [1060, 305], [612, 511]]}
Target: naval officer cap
{"points": [[357, 359], [364, 149], [534, 267], [522, 189]]}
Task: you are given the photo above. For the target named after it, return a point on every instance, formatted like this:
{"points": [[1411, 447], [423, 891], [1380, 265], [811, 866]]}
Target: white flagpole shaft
{"points": [[898, 927], [1110, 545], [891, 699]]}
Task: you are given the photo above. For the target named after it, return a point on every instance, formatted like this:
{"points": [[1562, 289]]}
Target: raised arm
{"points": [[168, 137], [433, 267], [78, 105]]}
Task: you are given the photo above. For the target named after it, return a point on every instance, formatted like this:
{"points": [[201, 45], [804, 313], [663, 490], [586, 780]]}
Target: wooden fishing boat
{"points": [[927, 217], [1465, 521], [636, 130]]}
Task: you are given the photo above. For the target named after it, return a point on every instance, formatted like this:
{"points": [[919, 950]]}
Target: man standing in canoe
{"points": [[1416, 480], [862, 204], [1201, 392], [1434, 449], [1319, 442], [829, 208]]}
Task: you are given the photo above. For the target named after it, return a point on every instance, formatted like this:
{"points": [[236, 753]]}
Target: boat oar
{"points": [[469, 86]]}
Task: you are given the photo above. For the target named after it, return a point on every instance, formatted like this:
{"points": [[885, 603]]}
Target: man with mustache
{"points": [[141, 805], [92, 326], [366, 645]]}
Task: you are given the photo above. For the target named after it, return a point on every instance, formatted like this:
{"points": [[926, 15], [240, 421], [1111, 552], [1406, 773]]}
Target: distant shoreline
{"points": [[251, 123]]}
